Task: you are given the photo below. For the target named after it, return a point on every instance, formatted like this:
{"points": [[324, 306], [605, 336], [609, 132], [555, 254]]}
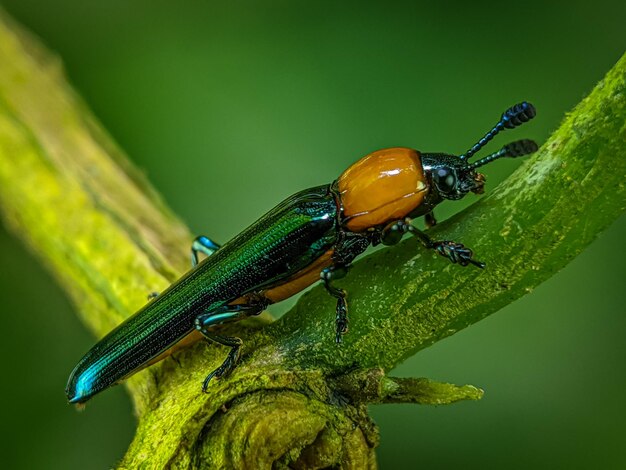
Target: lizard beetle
{"points": [[314, 234]]}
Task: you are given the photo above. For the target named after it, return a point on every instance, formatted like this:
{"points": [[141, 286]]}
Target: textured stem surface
{"points": [[297, 399]]}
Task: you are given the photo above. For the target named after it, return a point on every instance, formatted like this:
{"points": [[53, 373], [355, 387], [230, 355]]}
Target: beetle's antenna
{"points": [[519, 148], [511, 118]]}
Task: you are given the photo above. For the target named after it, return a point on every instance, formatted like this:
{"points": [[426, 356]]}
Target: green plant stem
{"points": [[297, 399]]}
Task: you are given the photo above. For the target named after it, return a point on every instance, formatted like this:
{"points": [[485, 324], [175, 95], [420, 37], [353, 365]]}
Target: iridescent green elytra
{"points": [[281, 243]]}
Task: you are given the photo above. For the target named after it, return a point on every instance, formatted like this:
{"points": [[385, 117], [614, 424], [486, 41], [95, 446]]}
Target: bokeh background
{"points": [[229, 107]]}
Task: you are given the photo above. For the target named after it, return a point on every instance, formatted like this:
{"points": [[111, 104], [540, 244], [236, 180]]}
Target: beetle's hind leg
{"points": [[200, 244], [219, 316], [231, 360], [204, 245]]}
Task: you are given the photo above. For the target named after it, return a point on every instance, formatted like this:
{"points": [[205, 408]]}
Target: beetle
{"points": [[313, 235]]}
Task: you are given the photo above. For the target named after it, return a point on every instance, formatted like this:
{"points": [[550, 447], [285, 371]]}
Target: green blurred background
{"points": [[228, 108]]}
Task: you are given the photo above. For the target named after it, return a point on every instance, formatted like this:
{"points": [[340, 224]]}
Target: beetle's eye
{"points": [[445, 180]]}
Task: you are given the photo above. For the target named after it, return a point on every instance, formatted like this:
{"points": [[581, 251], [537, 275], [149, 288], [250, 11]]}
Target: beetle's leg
{"points": [[350, 246], [430, 220], [231, 360], [455, 252], [341, 317], [219, 316], [202, 244], [393, 233]]}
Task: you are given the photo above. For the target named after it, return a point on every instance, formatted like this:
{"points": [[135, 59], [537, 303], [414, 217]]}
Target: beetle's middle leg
{"points": [[350, 246], [341, 318], [455, 252], [200, 244], [219, 316]]}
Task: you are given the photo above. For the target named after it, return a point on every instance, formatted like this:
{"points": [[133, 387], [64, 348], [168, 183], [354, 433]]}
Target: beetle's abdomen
{"points": [[383, 186]]}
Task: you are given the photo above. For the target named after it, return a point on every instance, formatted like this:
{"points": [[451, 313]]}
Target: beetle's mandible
{"points": [[315, 234]]}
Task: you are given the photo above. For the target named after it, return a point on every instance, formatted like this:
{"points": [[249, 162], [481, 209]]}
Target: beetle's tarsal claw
{"points": [[457, 253], [216, 374], [226, 368], [205, 384]]}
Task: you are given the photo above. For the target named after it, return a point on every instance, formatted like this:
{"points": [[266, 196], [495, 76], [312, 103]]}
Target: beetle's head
{"points": [[452, 177]]}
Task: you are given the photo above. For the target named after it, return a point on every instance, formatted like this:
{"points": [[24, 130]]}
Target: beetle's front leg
{"points": [[341, 317], [455, 252], [219, 316]]}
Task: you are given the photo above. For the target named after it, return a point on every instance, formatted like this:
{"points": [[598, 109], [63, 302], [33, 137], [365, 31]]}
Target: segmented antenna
{"points": [[512, 117], [519, 148]]}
